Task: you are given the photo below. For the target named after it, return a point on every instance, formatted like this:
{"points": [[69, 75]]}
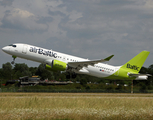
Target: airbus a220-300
{"points": [[56, 61]]}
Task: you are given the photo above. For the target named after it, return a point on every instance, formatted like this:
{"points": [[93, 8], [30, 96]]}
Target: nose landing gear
{"points": [[14, 57]]}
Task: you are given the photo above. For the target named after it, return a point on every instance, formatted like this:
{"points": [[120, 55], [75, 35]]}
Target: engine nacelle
{"points": [[144, 77], [56, 65]]}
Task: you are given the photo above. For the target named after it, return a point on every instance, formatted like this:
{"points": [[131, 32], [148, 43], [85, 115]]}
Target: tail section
{"points": [[135, 64]]}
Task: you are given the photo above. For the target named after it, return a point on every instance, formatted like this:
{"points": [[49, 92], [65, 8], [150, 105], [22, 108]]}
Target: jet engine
{"points": [[56, 65]]}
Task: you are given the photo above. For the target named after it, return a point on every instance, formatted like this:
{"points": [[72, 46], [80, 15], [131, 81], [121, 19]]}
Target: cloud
{"points": [[6, 2], [149, 4], [22, 20], [90, 29], [74, 15]]}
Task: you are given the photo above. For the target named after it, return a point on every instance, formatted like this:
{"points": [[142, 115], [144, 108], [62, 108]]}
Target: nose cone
{"points": [[5, 49]]}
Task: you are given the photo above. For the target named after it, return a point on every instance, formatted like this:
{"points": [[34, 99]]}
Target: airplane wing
{"points": [[81, 64]]}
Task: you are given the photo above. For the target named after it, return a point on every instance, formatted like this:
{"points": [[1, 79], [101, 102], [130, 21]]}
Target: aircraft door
{"points": [[24, 50]]}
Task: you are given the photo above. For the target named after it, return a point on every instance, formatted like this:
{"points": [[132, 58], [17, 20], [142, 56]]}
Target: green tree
{"points": [[143, 70], [33, 70], [21, 70], [43, 73], [1, 73], [83, 82], [7, 70], [62, 77], [150, 71], [143, 87], [57, 75]]}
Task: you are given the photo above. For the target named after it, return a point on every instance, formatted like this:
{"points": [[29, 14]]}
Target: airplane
{"points": [[56, 61]]}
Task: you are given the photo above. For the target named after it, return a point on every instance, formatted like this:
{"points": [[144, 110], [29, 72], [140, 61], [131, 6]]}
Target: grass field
{"points": [[75, 106]]}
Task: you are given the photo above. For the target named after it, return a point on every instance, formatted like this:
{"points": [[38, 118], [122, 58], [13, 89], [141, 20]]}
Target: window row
{"points": [[105, 68], [67, 59]]}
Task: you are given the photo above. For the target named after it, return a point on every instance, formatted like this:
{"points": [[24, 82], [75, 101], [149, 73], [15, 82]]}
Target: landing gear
{"points": [[13, 59], [69, 76], [74, 75]]}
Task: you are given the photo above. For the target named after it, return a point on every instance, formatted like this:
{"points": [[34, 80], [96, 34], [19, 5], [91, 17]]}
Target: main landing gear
{"points": [[14, 57], [69, 76]]}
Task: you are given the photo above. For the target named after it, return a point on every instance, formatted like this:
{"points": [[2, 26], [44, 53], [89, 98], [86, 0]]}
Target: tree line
{"points": [[12, 72]]}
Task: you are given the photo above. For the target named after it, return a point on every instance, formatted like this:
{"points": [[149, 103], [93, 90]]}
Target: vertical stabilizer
{"points": [[135, 64]]}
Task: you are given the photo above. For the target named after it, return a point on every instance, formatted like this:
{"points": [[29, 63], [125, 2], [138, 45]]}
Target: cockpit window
{"points": [[12, 45]]}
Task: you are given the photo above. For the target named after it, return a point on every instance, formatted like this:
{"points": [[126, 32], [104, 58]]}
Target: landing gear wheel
{"points": [[71, 75], [12, 62], [68, 76], [74, 75], [13, 59]]}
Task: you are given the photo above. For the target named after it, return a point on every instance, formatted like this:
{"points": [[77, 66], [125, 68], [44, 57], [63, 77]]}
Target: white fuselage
{"points": [[41, 55]]}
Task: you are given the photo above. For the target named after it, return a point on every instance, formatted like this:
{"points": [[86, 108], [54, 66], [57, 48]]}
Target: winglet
{"points": [[108, 58]]}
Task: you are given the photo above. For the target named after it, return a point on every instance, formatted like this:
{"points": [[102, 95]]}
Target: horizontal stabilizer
{"points": [[136, 75], [140, 76]]}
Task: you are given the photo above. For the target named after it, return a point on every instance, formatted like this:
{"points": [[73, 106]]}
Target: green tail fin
{"points": [[135, 64]]}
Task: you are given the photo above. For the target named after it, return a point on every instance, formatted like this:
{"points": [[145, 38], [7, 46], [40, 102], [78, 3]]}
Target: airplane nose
{"points": [[5, 49]]}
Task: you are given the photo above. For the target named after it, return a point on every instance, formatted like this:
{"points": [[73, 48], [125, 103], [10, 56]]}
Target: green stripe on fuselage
{"points": [[121, 74]]}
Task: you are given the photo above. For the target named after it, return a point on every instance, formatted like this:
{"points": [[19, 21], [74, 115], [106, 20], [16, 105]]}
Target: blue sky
{"points": [[91, 29]]}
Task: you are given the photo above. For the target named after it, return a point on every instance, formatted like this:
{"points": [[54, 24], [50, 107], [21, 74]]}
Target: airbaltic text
{"points": [[43, 52], [134, 67]]}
